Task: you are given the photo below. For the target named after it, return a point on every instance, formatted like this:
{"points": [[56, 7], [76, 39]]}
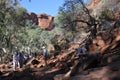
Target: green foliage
{"points": [[36, 36], [67, 14], [106, 14], [16, 30], [70, 11], [12, 23]]}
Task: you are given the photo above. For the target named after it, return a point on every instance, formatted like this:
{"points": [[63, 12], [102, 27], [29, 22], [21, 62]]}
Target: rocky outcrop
{"points": [[67, 66], [97, 6], [93, 3], [105, 41], [43, 20]]}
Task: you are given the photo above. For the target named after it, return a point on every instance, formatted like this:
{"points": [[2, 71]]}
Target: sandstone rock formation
{"points": [[43, 20], [93, 4], [97, 6]]}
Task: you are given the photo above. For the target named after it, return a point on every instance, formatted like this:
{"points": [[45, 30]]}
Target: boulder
{"points": [[33, 62]]}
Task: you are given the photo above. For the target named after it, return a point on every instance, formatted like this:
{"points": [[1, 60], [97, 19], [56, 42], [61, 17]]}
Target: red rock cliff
{"points": [[43, 20], [93, 4]]}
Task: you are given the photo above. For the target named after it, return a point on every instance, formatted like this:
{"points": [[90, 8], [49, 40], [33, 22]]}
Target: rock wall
{"points": [[43, 20], [93, 4], [97, 6], [105, 41]]}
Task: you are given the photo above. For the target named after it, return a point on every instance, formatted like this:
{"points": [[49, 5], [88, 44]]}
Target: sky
{"points": [[50, 7]]}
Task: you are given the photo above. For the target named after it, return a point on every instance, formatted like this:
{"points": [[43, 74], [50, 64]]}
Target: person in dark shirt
{"points": [[45, 54]]}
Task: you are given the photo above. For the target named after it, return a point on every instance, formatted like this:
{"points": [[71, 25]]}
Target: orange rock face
{"points": [[44, 21], [93, 3]]}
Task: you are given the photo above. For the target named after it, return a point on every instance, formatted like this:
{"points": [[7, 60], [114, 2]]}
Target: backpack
{"points": [[20, 57], [81, 51]]}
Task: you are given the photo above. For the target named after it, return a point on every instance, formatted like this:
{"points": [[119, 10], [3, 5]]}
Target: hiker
{"points": [[15, 60], [26, 58], [21, 60], [45, 54], [81, 51], [18, 60]]}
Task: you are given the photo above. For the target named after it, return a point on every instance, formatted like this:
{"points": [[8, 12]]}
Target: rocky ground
{"points": [[102, 63]]}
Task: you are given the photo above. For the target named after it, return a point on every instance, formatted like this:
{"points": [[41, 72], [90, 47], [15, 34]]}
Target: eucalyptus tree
{"points": [[75, 17], [12, 21]]}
